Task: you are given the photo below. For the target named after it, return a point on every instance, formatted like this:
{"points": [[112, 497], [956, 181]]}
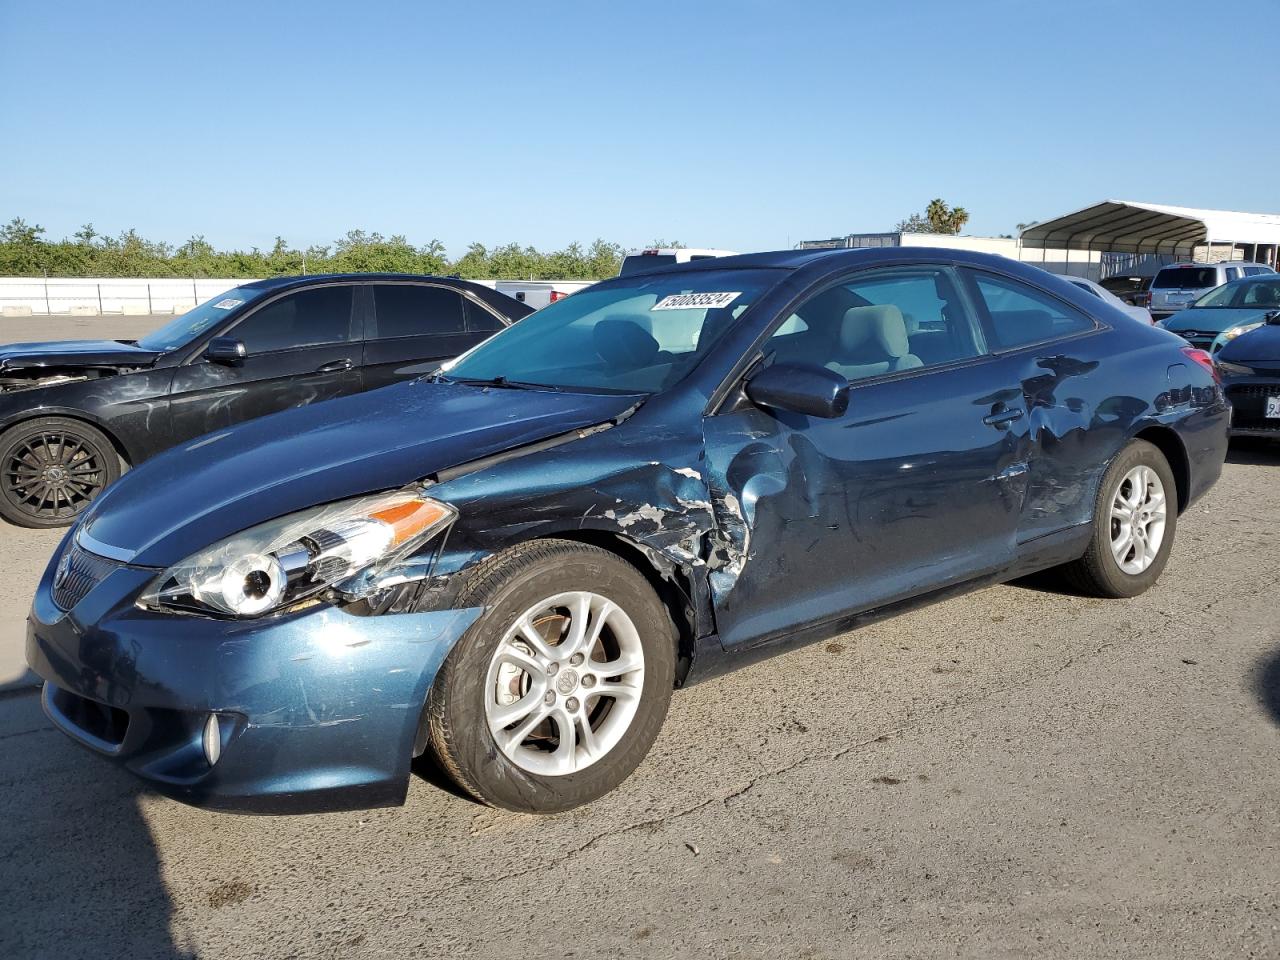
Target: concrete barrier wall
{"points": [[96, 296], [31, 296]]}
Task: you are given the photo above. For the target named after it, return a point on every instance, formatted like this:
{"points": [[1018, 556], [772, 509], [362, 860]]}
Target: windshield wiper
{"points": [[503, 383]]}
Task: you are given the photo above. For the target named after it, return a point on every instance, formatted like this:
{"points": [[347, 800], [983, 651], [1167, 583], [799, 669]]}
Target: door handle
{"points": [[335, 366], [1002, 418]]}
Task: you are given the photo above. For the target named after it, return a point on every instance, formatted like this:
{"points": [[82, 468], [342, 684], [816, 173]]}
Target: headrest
{"points": [[878, 324], [624, 343]]}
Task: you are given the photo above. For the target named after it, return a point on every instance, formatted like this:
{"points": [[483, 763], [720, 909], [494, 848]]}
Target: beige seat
{"points": [[872, 341]]}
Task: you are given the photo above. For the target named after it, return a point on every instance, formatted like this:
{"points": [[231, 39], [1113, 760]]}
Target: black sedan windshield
{"points": [[180, 331], [1253, 292], [641, 334]]}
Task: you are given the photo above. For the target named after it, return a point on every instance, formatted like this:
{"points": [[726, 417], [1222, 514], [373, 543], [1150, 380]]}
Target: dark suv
{"points": [[71, 411]]}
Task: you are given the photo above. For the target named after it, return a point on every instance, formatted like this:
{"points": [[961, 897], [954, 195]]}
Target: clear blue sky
{"points": [[745, 125]]}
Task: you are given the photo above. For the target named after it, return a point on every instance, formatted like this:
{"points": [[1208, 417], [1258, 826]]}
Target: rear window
{"points": [[641, 262], [1186, 278]]}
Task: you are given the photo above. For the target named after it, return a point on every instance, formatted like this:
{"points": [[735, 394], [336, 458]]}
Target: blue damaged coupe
{"points": [[506, 567]]}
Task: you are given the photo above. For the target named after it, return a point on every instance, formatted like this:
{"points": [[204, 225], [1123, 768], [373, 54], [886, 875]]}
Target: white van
{"points": [[639, 260], [539, 293]]}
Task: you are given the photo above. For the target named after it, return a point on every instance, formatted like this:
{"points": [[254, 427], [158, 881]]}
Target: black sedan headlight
{"points": [[281, 562]]}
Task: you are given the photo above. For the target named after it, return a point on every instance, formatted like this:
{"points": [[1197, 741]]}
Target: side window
{"points": [[409, 310], [1019, 314], [302, 319], [1233, 273], [1262, 293], [879, 322], [480, 320]]}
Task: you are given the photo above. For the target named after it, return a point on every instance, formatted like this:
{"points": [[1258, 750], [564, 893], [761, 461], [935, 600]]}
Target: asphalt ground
{"points": [[1015, 773]]}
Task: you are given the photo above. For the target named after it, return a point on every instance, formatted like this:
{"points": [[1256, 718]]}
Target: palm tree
{"points": [[945, 219]]}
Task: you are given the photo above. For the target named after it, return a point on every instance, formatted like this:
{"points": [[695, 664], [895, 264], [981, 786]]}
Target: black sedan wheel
{"points": [[52, 469]]}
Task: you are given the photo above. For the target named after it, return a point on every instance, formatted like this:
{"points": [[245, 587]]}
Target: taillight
{"points": [[557, 295], [1142, 299], [1202, 357]]}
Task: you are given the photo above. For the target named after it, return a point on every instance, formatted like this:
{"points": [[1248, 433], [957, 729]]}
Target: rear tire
{"points": [[554, 696], [51, 469], [1135, 518]]}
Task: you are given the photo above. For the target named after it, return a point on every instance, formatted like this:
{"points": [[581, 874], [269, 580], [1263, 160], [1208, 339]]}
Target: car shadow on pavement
{"points": [[1254, 452], [1269, 684], [79, 871], [22, 686]]}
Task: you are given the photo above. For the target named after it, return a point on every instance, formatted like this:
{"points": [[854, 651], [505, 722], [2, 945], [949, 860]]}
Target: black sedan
{"points": [[1250, 369], [512, 563], [71, 412]]}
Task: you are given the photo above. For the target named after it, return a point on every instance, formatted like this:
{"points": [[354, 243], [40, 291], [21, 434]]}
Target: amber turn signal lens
{"points": [[410, 518]]}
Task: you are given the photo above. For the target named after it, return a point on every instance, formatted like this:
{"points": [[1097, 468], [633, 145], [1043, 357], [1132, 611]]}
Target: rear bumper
{"points": [[317, 710]]}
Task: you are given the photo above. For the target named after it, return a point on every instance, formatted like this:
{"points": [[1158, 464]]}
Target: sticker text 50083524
{"points": [[694, 301]]}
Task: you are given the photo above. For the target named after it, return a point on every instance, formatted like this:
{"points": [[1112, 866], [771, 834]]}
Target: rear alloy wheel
{"points": [[1134, 521], [1138, 511], [51, 469], [556, 693]]}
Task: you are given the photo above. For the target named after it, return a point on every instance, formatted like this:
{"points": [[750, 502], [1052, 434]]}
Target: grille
{"points": [[78, 572], [1198, 339], [1250, 404], [1255, 390]]}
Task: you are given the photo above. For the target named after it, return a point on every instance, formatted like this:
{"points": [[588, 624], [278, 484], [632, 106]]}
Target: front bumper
{"points": [[318, 710], [1248, 396]]}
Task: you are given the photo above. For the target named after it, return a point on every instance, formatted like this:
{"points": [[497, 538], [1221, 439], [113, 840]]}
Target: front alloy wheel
{"points": [[565, 683], [555, 694]]}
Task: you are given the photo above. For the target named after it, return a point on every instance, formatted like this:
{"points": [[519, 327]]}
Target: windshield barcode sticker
{"points": [[694, 301], [227, 304]]}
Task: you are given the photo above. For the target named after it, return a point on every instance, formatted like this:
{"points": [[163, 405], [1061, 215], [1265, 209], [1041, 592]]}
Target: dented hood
{"points": [[210, 488], [74, 353]]}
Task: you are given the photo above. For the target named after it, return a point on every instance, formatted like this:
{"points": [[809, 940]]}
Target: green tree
{"points": [[938, 217], [25, 252]]}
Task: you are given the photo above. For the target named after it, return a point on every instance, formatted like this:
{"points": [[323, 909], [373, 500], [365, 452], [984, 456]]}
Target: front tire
{"points": [[51, 469], [554, 696], [1135, 518]]}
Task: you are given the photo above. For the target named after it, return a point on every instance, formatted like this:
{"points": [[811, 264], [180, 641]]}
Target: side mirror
{"points": [[1273, 318], [812, 390], [227, 350]]}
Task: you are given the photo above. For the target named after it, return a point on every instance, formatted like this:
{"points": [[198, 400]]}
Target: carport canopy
{"points": [[1123, 226]]}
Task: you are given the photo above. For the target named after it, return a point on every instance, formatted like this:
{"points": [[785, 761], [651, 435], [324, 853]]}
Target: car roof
{"points": [[844, 257], [1220, 263], [507, 306], [280, 283]]}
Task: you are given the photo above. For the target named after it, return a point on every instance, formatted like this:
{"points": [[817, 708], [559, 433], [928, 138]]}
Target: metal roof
{"points": [[1124, 226]]}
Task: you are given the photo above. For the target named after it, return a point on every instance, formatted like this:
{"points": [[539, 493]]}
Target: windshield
{"points": [[637, 335], [639, 262], [1255, 292], [180, 331], [1186, 278]]}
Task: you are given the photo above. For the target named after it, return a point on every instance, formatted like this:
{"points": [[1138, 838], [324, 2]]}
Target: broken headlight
{"points": [[278, 563]]}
